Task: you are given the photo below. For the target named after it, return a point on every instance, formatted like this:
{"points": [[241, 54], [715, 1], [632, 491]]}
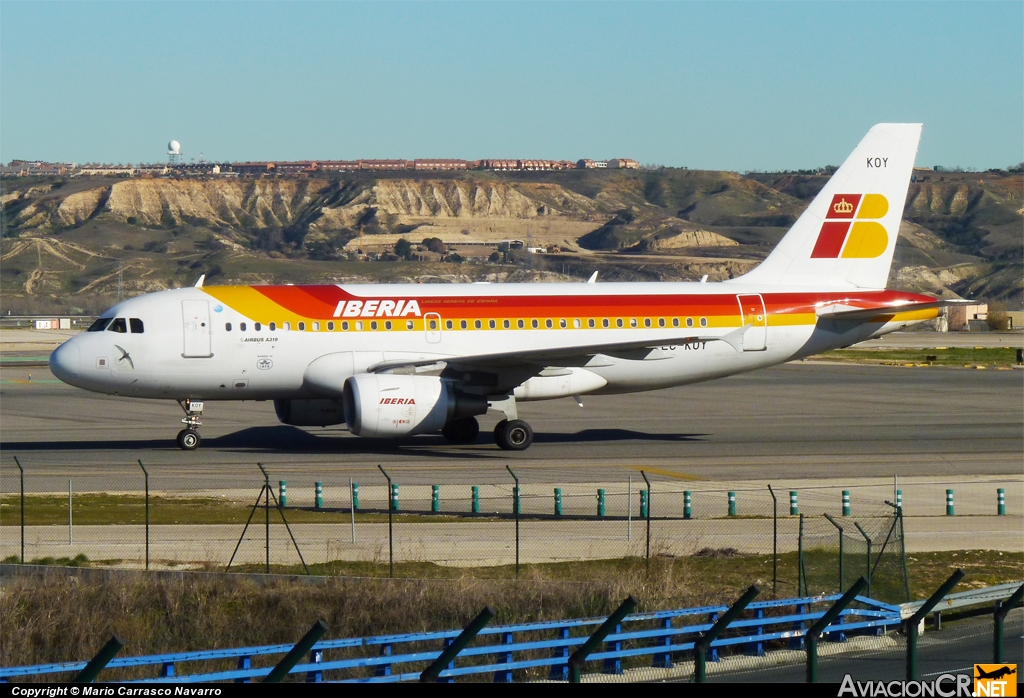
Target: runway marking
{"points": [[671, 473], [22, 381]]}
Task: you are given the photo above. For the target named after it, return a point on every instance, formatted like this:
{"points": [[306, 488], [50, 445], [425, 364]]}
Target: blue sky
{"points": [[720, 85]]}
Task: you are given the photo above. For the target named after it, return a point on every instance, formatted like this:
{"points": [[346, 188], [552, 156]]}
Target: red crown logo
{"points": [[843, 206]]}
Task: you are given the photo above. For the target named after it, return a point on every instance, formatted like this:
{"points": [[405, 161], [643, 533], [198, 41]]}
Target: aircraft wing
{"points": [[839, 311], [577, 354]]}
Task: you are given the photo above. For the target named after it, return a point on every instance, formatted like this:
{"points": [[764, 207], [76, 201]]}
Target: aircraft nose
{"points": [[66, 362]]}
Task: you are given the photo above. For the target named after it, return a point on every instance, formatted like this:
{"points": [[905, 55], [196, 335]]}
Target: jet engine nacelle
{"points": [[382, 405], [309, 413]]}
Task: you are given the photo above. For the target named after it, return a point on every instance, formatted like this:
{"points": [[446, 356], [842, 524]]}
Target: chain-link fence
{"points": [[793, 540]]}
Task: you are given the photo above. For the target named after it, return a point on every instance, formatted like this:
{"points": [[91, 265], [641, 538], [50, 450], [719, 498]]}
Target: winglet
{"points": [[593, 278], [199, 284]]}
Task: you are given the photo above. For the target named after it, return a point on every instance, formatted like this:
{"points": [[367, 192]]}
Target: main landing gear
{"points": [[188, 438], [511, 433]]}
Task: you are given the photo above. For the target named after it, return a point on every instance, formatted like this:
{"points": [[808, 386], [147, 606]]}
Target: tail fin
{"points": [[847, 236]]}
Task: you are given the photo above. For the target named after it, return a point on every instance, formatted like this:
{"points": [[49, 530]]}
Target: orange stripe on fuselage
{"points": [[308, 303]]}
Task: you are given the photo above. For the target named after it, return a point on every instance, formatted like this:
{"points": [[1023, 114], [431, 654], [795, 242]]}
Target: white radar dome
{"points": [[174, 147]]}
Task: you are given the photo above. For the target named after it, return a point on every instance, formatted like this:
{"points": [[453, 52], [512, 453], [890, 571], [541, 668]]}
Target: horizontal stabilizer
{"points": [[854, 314]]}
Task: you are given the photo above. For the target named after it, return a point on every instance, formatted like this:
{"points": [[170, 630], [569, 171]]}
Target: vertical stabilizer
{"points": [[846, 237]]}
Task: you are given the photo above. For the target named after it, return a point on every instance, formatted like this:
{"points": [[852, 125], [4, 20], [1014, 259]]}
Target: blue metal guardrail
{"points": [[651, 634]]}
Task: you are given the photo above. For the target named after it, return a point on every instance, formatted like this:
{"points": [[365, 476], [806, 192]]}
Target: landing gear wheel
{"points": [[461, 431], [189, 439], [513, 435]]}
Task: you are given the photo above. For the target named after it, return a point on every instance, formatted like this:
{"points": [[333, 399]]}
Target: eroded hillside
{"points": [[83, 239]]}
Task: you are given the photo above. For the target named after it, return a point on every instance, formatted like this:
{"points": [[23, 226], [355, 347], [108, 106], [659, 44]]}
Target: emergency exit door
{"points": [[752, 313], [195, 317]]}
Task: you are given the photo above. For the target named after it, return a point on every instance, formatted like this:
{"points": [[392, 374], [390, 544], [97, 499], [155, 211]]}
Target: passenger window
{"points": [[344, 326], [689, 322], [548, 323], [521, 324], [477, 324], [227, 326], [99, 325], [257, 326], [661, 322], [448, 324], [241, 326], [373, 325], [118, 325], [432, 324], [463, 324], [647, 322], [302, 327], [675, 322], [506, 324], [136, 325], [535, 323], [632, 322], [703, 322], [316, 326], [562, 323], [618, 322], [604, 322], [359, 325], [273, 326], [387, 324], [409, 324], [286, 326], [330, 327], [591, 323], [492, 324]]}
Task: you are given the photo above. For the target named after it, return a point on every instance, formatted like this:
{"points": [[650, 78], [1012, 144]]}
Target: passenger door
{"points": [[752, 312], [432, 326], [196, 325]]}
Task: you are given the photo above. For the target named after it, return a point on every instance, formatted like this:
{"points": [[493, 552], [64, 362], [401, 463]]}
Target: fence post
{"points": [[775, 541], [700, 647], [647, 515], [435, 498], [687, 505], [600, 502], [266, 514], [282, 488], [794, 509], [915, 620], [22, 471], [1000, 502], [353, 493], [558, 501], [431, 673], [643, 504], [949, 503], [102, 658], [146, 474], [846, 502], [354, 486], [868, 539], [580, 656], [515, 510], [394, 495], [391, 530], [318, 495], [800, 588], [475, 502], [732, 504], [998, 618], [899, 498], [815, 631], [296, 653], [842, 581]]}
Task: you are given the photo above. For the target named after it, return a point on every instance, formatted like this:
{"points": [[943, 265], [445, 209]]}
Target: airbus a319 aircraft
{"points": [[396, 360]]}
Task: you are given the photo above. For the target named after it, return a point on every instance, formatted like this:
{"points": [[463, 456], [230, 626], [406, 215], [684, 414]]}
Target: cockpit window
{"points": [[136, 325], [99, 325], [118, 325]]}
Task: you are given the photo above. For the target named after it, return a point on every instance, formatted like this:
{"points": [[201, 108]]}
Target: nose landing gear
{"points": [[188, 438]]}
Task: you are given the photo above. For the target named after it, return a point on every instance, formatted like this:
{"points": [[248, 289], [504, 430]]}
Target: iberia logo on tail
{"points": [[851, 229]]}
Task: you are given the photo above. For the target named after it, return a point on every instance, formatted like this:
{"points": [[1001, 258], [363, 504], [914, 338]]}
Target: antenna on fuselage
{"points": [[199, 284], [593, 278]]}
